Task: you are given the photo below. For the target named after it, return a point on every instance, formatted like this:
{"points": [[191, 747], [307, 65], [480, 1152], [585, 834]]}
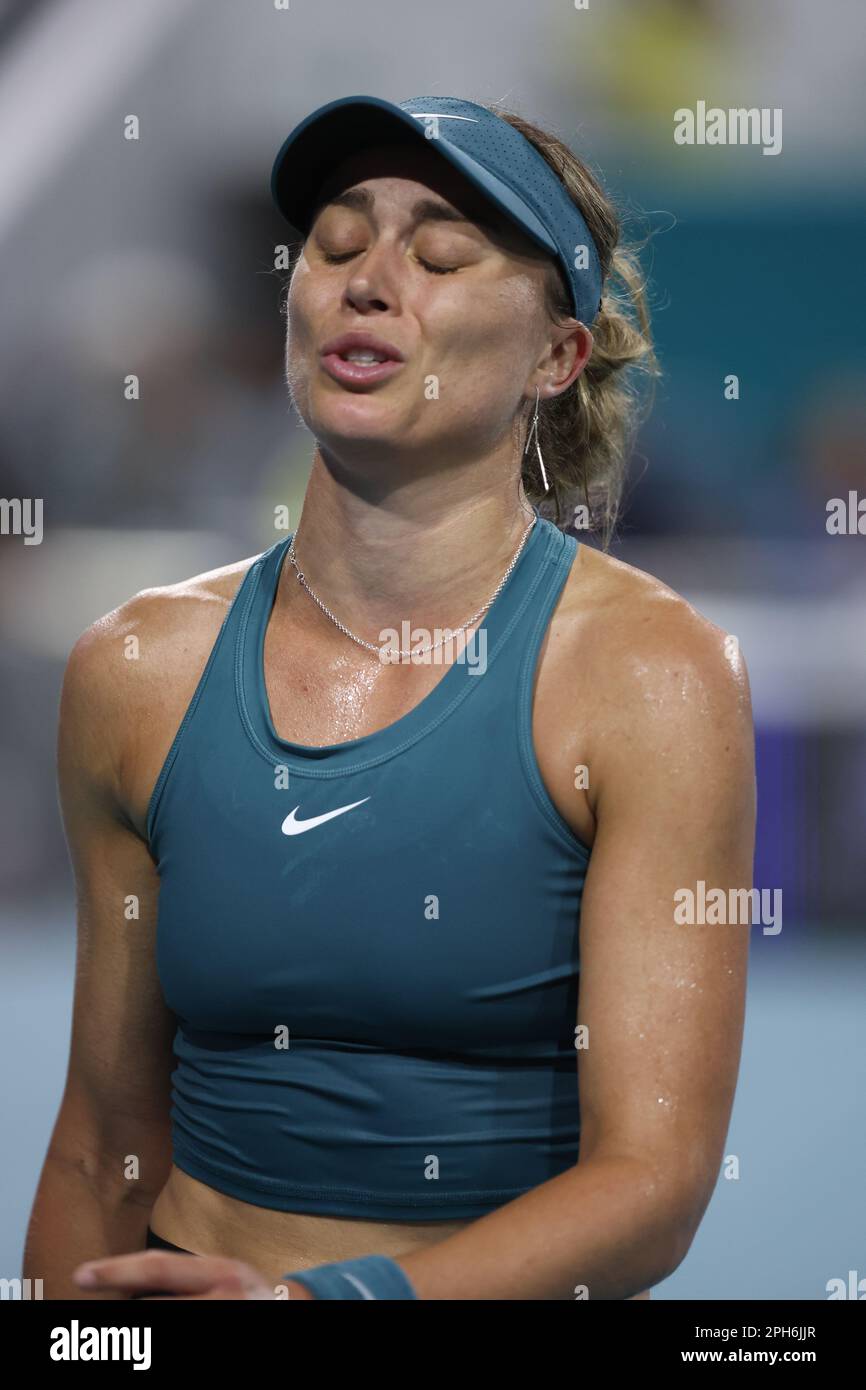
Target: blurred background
{"points": [[156, 256]]}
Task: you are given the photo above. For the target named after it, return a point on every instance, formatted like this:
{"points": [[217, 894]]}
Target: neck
{"points": [[431, 550]]}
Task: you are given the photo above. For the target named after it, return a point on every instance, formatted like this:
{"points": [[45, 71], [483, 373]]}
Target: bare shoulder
{"points": [[131, 674], [656, 666], [165, 624], [648, 695]]}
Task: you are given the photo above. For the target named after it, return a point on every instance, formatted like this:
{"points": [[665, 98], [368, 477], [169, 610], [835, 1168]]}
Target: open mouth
{"points": [[359, 365], [365, 356]]}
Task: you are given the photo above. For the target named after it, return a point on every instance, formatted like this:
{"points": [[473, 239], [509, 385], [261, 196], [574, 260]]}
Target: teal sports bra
{"points": [[371, 947]]}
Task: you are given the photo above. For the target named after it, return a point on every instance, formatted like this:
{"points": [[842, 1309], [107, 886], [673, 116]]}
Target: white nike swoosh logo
{"points": [[441, 116], [297, 827]]}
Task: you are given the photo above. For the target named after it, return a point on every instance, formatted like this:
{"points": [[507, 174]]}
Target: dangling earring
{"points": [[533, 429]]}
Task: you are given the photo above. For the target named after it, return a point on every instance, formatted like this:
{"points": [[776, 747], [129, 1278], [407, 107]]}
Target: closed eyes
{"points": [[428, 265]]}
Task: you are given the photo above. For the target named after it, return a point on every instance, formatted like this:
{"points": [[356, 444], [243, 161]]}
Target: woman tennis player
{"points": [[383, 989]]}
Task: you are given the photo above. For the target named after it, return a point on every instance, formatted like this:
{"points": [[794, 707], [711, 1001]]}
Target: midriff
{"points": [[198, 1218]]}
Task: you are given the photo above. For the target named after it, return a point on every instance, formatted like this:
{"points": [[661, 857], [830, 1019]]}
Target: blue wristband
{"points": [[372, 1276]]}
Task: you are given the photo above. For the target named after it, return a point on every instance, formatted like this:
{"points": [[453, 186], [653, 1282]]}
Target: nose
{"points": [[371, 283]]}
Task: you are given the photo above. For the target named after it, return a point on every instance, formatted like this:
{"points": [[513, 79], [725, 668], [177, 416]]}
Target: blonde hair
{"points": [[587, 432]]}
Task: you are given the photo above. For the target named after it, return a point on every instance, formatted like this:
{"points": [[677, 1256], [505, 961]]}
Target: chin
{"points": [[355, 416], [351, 442]]}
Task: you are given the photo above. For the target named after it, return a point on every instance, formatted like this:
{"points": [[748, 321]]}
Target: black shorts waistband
{"points": [[155, 1242]]}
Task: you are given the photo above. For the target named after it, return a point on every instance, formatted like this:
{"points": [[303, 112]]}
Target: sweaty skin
{"points": [[619, 643], [631, 684]]}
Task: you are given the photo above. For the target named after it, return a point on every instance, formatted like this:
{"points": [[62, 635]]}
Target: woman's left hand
{"points": [[180, 1276]]}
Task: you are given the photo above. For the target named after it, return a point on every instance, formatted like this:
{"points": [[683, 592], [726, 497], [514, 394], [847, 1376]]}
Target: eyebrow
{"points": [[425, 210]]}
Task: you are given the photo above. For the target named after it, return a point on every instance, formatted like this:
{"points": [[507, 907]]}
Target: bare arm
{"points": [[673, 780], [109, 1153]]}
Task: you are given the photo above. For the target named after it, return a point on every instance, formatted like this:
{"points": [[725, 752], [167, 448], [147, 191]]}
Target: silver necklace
{"points": [[417, 651]]}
